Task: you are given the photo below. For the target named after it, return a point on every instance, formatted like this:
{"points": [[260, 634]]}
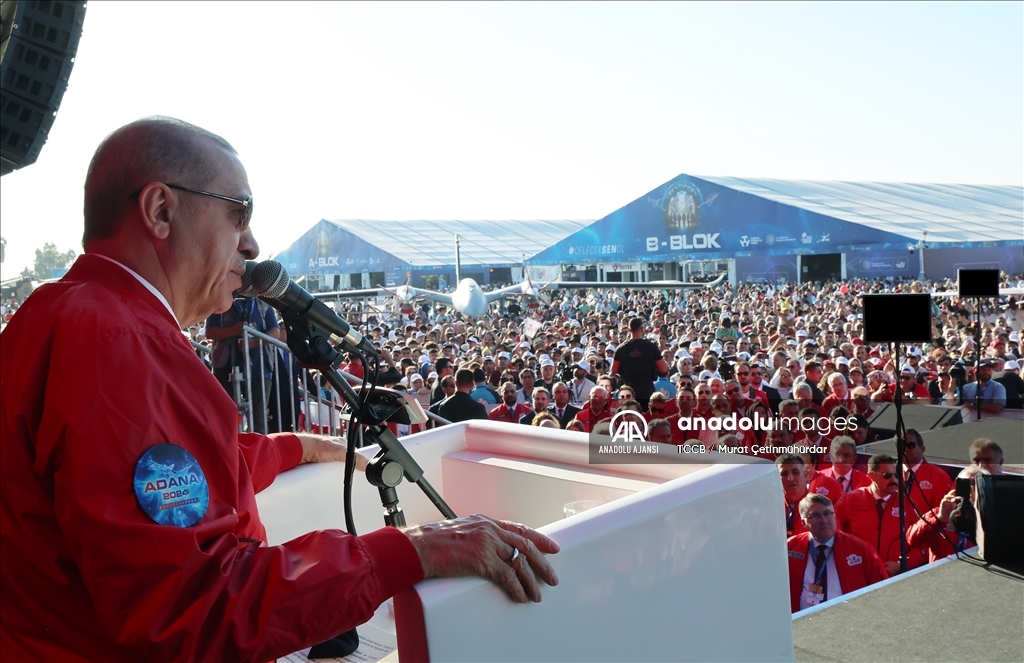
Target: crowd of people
{"points": [[717, 353], [774, 352]]}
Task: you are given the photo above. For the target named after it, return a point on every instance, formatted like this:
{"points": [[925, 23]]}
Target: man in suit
{"points": [[460, 406], [756, 377], [825, 563], [561, 408], [541, 400]]}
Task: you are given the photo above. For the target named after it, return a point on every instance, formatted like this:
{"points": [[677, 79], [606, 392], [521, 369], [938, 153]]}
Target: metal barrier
{"points": [[321, 415]]}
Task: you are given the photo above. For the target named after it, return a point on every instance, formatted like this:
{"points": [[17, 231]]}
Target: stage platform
{"points": [[955, 610], [948, 446]]}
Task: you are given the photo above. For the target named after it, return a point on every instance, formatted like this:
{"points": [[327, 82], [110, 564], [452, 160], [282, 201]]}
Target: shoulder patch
{"points": [[796, 555], [170, 487], [821, 490], [925, 485], [853, 560], [896, 512]]}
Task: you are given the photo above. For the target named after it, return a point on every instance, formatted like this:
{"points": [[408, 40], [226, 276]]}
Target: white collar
{"points": [[828, 544], [149, 286]]}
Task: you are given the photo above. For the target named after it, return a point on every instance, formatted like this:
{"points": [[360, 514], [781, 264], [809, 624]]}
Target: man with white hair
{"points": [[840, 393], [129, 516]]}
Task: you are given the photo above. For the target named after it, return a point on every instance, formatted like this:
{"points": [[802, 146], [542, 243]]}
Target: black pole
{"points": [[977, 359], [901, 450]]}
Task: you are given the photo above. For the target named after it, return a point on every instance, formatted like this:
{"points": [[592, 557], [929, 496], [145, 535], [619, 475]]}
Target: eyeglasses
{"points": [[703, 393], [732, 391], [244, 217], [888, 475], [819, 516], [744, 373], [911, 445]]}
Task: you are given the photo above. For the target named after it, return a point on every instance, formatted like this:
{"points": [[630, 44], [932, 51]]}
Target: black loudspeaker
{"points": [[41, 39], [897, 318], [999, 505], [977, 282], [883, 420]]}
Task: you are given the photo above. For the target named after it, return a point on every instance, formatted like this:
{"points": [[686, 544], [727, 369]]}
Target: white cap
{"points": [[414, 377], [504, 355], [584, 364], [682, 354], [526, 345], [801, 332], [610, 348], [716, 347], [842, 361], [1011, 366], [743, 355], [432, 374], [695, 345], [546, 361], [708, 374], [915, 352]]}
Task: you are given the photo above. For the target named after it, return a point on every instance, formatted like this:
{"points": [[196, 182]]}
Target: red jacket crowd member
{"points": [[598, 409], [510, 409], [926, 484], [793, 473], [873, 514], [825, 563], [935, 532], [844, 455]]}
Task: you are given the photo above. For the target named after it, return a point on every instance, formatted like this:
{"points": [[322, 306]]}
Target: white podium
{"points": [[682, 561]]}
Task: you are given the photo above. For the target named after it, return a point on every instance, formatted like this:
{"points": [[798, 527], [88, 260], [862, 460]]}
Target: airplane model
{"points": [[472, 301]]}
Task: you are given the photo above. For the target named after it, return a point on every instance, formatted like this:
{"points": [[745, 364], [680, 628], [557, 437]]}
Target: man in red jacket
{"points": [[934, 531], [825, 563], [873, 514], [844, 455], [510, 409], [925, 483], [793, 473], [128, 521]]}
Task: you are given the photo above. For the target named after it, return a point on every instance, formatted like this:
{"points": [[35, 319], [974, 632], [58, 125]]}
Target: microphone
{"points": [[247, 290], [270, 281]]}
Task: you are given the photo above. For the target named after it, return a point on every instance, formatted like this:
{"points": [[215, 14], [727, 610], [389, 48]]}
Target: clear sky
{"points": [[533, 111]]}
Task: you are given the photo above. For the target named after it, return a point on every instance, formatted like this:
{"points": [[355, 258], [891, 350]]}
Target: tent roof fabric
{"points": [[422, 243], [948, 212]]}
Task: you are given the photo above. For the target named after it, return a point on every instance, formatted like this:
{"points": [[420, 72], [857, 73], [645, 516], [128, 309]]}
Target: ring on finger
{"points": [[514, 559]]}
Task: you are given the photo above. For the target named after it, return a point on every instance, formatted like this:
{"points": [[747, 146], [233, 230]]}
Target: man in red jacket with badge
{"points": [[873, 514], [825, 563], [510, 409], [128, 522], [926, 484]]}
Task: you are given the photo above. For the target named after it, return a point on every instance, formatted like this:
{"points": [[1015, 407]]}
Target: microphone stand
{"points": [[977, 359], [312, 349], [901, 450]]}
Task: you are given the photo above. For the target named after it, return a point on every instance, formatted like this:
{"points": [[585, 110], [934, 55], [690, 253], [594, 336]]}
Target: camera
{"points": [[566, 373]]}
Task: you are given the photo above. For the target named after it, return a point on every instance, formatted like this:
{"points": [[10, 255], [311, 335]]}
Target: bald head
{"points": [[152, 149]]}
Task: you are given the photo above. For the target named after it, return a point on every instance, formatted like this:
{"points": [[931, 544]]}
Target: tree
{"points": [[49, 258]]}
